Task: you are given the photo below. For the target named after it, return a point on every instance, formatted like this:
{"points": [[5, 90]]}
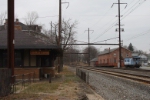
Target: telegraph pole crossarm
{"points": [[119, 3], [67, 3]]}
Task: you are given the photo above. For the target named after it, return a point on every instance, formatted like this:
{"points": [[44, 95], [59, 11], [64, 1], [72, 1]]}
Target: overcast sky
{"points": [[96, 15]]}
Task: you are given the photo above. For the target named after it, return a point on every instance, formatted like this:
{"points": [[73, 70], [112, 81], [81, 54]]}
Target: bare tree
{"points": [[67, 34], [71, 56], [93, 53], [2, 17], [31, 18]]}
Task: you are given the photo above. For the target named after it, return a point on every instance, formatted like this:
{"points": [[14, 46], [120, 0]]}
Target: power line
{"points": [[107, 40], [40, 17], [101, 18], [116, 20], [133, 9], [138, 35]]}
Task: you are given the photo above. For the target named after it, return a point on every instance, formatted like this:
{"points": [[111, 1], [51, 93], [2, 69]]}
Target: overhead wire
{"points": [[138, 35], [116, 21], [106, 40], [102, 17], [133, 9]]}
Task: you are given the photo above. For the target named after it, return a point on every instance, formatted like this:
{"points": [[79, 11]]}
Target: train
{"points": [[133, 62]]}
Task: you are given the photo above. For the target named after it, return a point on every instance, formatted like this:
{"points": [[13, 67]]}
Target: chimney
{"points": [[17, 21], [6, 21]]}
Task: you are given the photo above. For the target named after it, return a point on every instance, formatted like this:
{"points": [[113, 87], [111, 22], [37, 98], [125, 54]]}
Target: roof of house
{"points": [[135, 54], [95, 59], [24, 40], [139, 55], [107, 51], [23, 26]]}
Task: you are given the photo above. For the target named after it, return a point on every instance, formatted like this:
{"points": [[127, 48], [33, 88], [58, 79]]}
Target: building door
{"points": [[43, 61], [38, 61]]}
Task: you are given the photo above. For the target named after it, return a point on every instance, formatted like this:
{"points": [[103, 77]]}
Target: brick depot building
{"points": [[110, 57], [33, 52]]}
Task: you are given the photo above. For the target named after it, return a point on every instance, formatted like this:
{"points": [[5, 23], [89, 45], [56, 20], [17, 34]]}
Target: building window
{"points": [[127, 55], [114, 60], [114, 54], [18, 59]]}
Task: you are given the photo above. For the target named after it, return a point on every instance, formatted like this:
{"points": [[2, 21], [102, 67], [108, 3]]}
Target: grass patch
{"points": [[64, 84], [20, 97], [42, 87], [69, 76]]}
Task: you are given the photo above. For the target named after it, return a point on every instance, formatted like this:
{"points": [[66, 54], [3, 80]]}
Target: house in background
{"points": [[22, 27], [33, 51], [143, 58], [94, 62], [110, 57], [148, 59]]}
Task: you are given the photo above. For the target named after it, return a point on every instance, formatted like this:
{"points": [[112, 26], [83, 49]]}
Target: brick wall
{"points": [[112, 58], [48, 70], [20, 71]]}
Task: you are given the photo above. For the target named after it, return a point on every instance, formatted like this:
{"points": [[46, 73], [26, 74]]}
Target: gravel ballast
{"points": [[115, 88]]}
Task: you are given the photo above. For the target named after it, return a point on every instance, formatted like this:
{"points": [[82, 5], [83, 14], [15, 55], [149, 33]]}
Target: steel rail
{"points": [[139, 78]]}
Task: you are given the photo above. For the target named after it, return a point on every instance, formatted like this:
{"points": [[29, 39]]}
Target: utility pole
{"points": [[88, 44], [10, 36], [59, 32], [60, 60], [51, 26], [119, 29]]}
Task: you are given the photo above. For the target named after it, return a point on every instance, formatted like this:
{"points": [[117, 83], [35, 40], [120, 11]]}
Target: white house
{"points": [[143, 58]]}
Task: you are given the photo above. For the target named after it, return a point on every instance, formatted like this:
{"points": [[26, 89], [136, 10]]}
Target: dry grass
{"points": [[65, 86], [42, 87]]}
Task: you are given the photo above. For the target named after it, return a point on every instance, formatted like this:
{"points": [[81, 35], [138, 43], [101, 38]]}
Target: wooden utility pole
{"points": [[10, 36], [89, 45], [59, 32], [119, 33], [60, 59], [119, 29]]}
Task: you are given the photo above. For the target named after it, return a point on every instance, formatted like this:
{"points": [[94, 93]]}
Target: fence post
{"points": [[50, 78], [23, 80], [33, 76], [29, 78], [13, 80]]}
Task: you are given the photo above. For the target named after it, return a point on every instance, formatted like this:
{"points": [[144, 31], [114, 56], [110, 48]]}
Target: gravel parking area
{"points": [[115, 88]]}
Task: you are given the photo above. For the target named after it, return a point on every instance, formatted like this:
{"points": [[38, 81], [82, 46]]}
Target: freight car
{"points": [[132, 62]]}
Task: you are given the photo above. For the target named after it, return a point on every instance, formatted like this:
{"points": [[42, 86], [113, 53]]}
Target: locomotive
{"points": [[133, 62]]}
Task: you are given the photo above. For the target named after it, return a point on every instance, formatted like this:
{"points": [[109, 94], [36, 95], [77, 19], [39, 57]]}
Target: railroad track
{"points": [[139, 78]]}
